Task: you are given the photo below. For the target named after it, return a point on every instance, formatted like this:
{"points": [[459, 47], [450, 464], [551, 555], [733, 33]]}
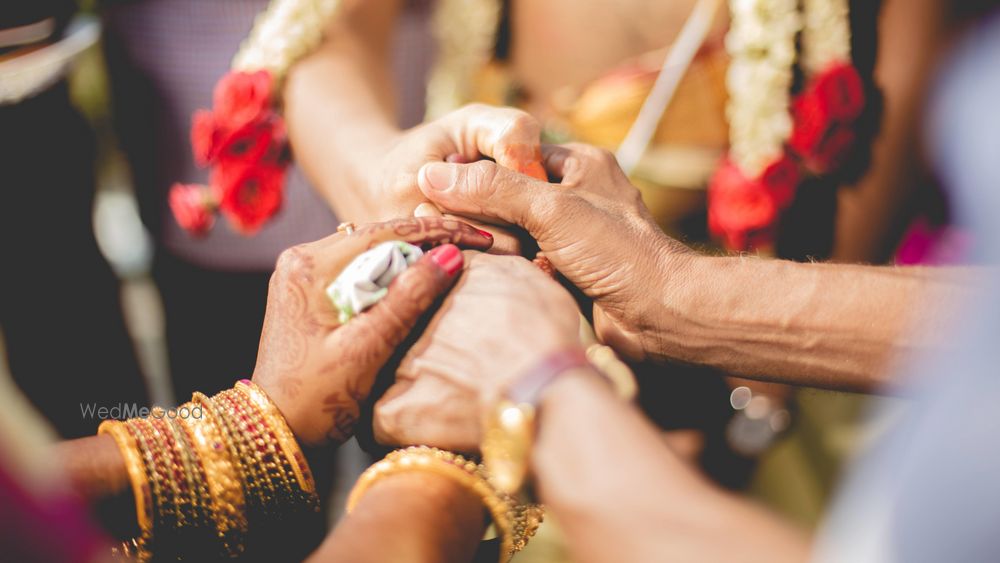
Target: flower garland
{"points": [[771, 138], [243, 137], [826, 109]]}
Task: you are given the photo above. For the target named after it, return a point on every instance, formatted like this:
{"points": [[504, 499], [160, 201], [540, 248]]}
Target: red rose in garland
{"points": [[245, 142], [841, 90], [193, 206], [243, 98], [250, 195], [205, 137], [824, 113], [742, 211]]}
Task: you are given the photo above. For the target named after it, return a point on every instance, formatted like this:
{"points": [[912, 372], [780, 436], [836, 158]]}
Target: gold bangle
{"points": [[259, 448], [286, 440], [228, 504], [140, 485], [164, 517], [194, 475], [515, 523]]}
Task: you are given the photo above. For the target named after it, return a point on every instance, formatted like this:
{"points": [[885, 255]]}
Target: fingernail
{"points": [[439, 175], [486, 234], [456, 158], [447, 257]]}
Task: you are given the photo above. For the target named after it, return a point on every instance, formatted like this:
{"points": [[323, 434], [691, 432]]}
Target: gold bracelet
{"points": [[286, 440], [514, 523], [199, 497], [164, 516], [228, 505], [259, 448], [140, 487]]}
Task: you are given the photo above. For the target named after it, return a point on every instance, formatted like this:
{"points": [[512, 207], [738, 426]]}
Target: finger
{"points": [[505, 240], [456, 158], [554, 160], [379, 330], [336, 251], [563, 161], [509, 136], [488, 192], [426, 210]]}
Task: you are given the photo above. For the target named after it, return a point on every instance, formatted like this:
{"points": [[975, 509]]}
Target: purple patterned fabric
{"points": [[182, 47]]}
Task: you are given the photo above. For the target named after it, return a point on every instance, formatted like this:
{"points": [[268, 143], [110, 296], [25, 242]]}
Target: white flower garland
{"points": [[287, 31], [826, 34], [761, 44]]}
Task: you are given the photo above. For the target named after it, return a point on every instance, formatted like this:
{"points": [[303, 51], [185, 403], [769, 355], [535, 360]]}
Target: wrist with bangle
{"points": [[514, 521], [510, 425], [203, 482]]}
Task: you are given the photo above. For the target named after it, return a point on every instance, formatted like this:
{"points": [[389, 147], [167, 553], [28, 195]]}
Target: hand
{"points": [[592, 226], [509, 136], [502, 318], [317, 371]]}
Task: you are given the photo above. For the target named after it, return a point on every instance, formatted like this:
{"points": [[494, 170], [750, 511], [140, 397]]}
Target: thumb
{"points": [[380, 329], [488, 192]]}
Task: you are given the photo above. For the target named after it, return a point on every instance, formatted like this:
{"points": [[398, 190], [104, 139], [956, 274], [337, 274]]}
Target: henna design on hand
{"points": [[344, 408]]}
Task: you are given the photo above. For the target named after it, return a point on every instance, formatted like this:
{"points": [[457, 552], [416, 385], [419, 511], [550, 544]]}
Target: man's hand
{"points": [[502, 318], [510, 137], [592, 226]]}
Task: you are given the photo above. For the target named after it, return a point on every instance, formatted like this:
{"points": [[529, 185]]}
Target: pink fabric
{"points": [[925, 243], [54, 529]]}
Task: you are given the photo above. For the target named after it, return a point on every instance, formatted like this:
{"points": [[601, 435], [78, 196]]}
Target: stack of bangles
{"points": [[515, 522], [210, 472]]}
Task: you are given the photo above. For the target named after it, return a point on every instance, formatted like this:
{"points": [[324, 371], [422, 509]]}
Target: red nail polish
{"points": [[486, 234], [447, 257]]}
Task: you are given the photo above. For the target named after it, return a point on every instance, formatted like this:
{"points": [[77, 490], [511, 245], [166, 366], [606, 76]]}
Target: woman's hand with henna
{"points": [[316, 370], [501, 319], [592, 226]]}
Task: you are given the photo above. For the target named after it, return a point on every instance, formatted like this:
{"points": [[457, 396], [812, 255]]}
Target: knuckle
{"points": [[386, 418], [522, 122], [289, 262], [605, 157], [474, 107]]}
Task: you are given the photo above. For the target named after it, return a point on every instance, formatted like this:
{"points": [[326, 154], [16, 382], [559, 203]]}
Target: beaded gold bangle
{"points": [[286, 440], [193, 476], [258, 448], [139, 547], [515, 523], [164, 517], [228, 506]]}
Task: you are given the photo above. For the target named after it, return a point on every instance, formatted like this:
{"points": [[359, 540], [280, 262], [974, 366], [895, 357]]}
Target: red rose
{"points": [[248, 145], [840, 90], [193, 206], [812, 120], [242, 98], [781, 178], [832, 151], [250, 194], [821, 142], [740, 210], [205, 137]]}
